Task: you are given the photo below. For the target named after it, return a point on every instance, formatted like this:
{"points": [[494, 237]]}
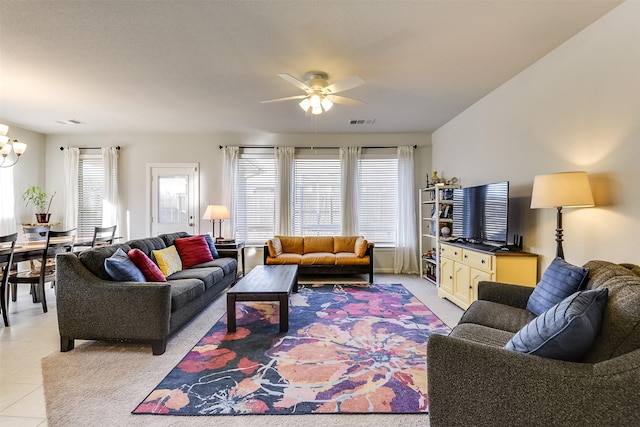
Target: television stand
{"points": [[464, 265]]}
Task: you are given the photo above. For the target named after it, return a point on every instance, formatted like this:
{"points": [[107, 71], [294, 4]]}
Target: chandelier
{"points": [[7, 146], [316, 103]]}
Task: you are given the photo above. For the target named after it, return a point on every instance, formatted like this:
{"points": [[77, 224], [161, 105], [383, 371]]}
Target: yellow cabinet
{"points": [[463, 268]]}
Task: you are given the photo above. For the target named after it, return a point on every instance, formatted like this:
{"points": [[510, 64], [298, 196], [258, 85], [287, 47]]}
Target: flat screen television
{"points": [[480, 213]]}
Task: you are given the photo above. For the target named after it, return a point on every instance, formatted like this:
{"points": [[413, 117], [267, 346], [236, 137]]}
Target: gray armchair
{"points": [[474, 381]]}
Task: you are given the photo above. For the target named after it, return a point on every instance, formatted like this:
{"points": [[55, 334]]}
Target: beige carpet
{"points": [[99, 384]]}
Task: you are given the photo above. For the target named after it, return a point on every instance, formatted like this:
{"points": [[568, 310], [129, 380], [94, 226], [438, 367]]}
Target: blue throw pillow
{"points": [[559, 280], [566, 331], [122, 269], [212, 246]]}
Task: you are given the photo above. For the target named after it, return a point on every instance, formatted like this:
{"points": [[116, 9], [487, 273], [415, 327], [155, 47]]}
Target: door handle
{"points": [[190, 224]]}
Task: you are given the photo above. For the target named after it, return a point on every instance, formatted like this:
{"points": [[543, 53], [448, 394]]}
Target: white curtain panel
{"points": [[7, 207], [350, 183], [284, 188], [110, 200], [71, 162], [229, 172], [406, 259]]}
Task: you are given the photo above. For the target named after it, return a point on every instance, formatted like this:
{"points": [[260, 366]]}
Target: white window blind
{"points": [[255, 199], [316, 201], [378, 196], [90, 195]]}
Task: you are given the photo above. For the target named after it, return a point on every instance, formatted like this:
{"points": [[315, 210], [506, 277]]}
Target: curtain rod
{"points": [[91, 148], [317, 148]]}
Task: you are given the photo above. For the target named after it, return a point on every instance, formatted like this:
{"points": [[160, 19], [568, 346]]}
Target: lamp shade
{"points": [[566, 189], [216, 212]]}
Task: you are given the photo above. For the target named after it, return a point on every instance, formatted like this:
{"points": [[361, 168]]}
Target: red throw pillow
{"points": [[150, 270], [193, 250]]}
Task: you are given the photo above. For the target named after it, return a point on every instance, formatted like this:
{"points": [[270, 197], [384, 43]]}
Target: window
{"points": [[378, 195], [90, 186], [316, 201], [255, 198]]}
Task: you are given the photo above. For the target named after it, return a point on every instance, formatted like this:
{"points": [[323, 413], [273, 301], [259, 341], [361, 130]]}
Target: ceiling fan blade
{"points": [[343, 85], [297, 83], [343, 100], [287, 98]]}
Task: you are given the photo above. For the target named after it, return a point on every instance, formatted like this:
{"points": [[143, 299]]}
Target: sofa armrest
{"points": [[89, 307], [476, 384], [504, 293]]}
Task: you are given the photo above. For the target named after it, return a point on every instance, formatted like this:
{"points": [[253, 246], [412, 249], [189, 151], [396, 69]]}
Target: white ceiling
{"points": [[203, 66]]}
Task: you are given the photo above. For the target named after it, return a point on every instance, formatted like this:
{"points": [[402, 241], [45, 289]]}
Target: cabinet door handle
{"points": [[482, 261], [466, 256]]}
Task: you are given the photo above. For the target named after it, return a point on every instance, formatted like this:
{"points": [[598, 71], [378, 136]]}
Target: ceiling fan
{"points": [[320, 95]]}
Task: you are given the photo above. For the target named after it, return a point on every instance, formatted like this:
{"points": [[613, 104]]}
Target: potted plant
{"points": [[40, 200]]}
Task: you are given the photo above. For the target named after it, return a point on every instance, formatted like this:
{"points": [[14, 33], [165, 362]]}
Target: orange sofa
{"points": [[319, 255]]}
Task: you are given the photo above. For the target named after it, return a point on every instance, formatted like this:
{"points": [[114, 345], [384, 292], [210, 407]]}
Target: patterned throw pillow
{"points": [[150, 270], [122, 269], [193, 250], [168, 260], [566, 331], [559, 280]]}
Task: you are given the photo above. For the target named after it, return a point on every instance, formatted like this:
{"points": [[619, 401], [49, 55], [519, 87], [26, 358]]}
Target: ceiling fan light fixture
{"points": [[326, 104], [316, 110], [305, 104], [315, 101]]}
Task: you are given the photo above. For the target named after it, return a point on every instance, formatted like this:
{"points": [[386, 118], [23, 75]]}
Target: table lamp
{"points": [[558, 190], [216, 213]]}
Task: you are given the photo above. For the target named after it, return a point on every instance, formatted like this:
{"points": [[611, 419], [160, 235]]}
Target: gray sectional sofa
{"points": [[92, 306], [474, 380]]}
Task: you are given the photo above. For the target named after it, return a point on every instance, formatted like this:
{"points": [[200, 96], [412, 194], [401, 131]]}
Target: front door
{"points": [[174, 202]]}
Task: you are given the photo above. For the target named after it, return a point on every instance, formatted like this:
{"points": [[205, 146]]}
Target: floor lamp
{"points": [[558, 190], [216, 213]]}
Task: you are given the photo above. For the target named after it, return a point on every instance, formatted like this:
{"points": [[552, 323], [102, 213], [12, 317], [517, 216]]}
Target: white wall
{"points": [[578, 108], [139, 150]]}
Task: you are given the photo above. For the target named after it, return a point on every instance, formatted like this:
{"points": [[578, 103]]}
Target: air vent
{"points": [[70, 122], [362, 121]]}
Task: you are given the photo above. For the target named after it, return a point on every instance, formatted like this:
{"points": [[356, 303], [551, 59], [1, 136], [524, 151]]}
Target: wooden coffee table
{"points": [[264, 283]]}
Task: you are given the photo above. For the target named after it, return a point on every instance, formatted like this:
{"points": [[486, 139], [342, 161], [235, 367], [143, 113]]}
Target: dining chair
{"points": [[103, 235], [7, 246], [32, 233], [57, 241]]}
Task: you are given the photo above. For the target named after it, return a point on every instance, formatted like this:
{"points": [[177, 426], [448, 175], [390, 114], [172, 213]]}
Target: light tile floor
{"points": [[34, 334]]}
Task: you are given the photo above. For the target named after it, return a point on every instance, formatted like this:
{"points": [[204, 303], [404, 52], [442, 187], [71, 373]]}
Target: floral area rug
{"points": [[356, 349]]}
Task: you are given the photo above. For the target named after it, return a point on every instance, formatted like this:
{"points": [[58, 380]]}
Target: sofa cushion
{"points": [[275, 247], [193, 250], [183, 291], [344, 244], [169, 238], [620, 332], [318, 258], [496, 315], [147, 245], [93, 259], [360, 247], [122, 269], [313, 244], [212, 246], [208, 275], [168, 260], [566, 331], [292, 244], [559, 280], [150, 270], [349, 258], [285, 259], [228, 265]]}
